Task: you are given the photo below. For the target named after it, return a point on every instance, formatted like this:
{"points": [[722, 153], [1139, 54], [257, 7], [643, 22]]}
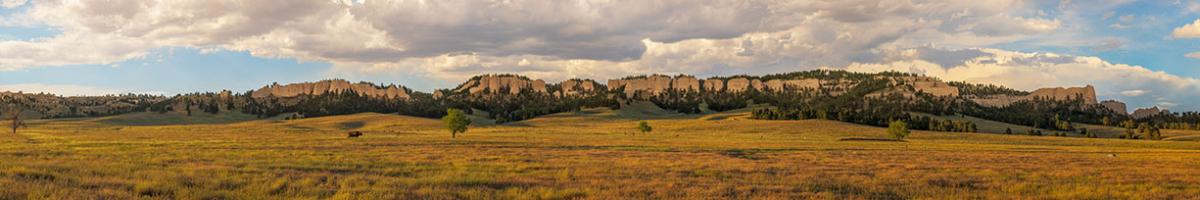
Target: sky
{"points": [[1144, 53]]}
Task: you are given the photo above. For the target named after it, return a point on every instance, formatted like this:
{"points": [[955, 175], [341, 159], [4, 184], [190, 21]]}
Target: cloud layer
{"points": [[555, 40]]}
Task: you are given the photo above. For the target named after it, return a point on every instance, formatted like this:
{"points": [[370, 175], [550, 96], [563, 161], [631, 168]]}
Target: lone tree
{"points": [[13, 113], [644, 127], [456, 121], [898, 130]]}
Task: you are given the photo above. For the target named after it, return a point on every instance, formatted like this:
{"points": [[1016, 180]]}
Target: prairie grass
{"points": [[593, 154]]}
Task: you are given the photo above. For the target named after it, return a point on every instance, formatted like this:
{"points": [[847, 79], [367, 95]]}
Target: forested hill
{"points": [[865, 98]]}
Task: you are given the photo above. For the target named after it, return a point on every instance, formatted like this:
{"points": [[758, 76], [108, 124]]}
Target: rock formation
{"points": [[1147, 112], [331, 86], [737, 84], [757, 84], [577, 86], [1115, 106], [932, 86], [1087, 93], [795, 84], [501, 83], [686, 83], [650, 85], [713, 84]]}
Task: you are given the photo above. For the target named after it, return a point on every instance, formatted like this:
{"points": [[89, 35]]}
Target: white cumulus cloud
{"points": [[1188, 31]]}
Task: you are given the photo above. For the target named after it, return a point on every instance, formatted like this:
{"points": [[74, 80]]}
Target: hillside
{"points": [[862, 98]]}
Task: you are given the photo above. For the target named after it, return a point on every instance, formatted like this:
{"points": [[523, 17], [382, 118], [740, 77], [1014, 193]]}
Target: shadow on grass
{"points": [[871, 139]]}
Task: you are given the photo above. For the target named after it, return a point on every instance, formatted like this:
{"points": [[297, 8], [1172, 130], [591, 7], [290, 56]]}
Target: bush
{"points": [[898, 130], [644, 127]]}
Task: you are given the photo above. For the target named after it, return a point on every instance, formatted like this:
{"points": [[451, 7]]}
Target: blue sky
{"points": [[91, 47]]}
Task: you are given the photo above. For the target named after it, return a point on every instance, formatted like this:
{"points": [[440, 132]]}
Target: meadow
{"points": [[591, 154]]}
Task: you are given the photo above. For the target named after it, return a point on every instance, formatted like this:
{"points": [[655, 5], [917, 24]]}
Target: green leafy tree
{"points": [[644, 127], [456, 121], [898, 130]]}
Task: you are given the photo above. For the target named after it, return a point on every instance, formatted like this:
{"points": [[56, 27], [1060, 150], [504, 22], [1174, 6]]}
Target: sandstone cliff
{"points": [[714, 84], [650, 85], [1147, 112], [1087, 93], [932, 86], [496, 84], [331, 86], [795, 84], [577, 86], [1115, 106]]}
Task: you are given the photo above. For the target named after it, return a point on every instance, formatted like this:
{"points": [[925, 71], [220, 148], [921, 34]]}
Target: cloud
{"points": [[385, 32], [12, 3], [1188, 31], [1133, 93], [1195, 55], [1109, 44], [554, 40], [1123, 22], [1005, 25]]}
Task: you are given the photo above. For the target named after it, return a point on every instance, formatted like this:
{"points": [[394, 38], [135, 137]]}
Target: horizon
{"points": [[1138, 52], [599, 99]]}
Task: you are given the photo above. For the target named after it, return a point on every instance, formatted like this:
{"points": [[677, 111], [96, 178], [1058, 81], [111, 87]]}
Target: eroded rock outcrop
{"points": [[1147, 112], [794, 84], [577, 87], [714, 84], [737, 84], [1115, 106], [932, 86], [496, 84], [1086, 93], [331, 86], [649, 85]]}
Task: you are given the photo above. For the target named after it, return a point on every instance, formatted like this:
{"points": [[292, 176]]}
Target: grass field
{"points": [[592, 154]]}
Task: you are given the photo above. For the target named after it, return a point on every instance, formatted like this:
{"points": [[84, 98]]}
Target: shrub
{"points": [[644, 127], [898, 130]]}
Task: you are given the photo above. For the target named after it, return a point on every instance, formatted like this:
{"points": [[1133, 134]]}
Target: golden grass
{"points": [[595, 154]]}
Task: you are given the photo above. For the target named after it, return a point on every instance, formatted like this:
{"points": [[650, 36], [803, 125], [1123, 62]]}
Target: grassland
{"points": [[592, 154]]}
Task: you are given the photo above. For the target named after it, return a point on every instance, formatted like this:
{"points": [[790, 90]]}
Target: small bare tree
{"points": [[14, 114]]}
